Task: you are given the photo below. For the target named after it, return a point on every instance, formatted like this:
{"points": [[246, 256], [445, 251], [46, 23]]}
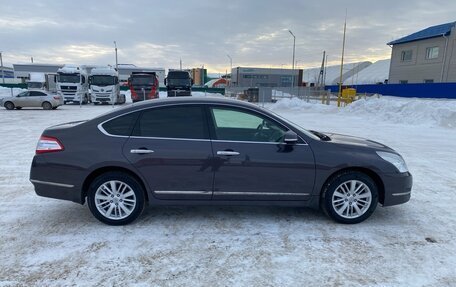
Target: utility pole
{"points": [[293, 62], [180, 64], [322, 71], [31, 59], [1, 66], [231, 67], [339, 96], [117, 63]]}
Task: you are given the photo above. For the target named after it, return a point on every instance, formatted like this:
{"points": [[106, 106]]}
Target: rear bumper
{"points": [[49, 181], [398, 188], [56, 190]]}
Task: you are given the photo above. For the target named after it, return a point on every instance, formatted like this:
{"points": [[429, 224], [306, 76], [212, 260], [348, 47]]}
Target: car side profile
{"points": [[213, 151], [32, 99]]}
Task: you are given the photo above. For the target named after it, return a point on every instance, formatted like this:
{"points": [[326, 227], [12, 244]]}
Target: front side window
{"points": [[239, 125], [406, 56], [432, 53], [24, 94], [181, 122]]}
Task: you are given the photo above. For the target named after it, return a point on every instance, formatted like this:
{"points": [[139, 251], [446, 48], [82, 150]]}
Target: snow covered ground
{"points": [[47, 242]]}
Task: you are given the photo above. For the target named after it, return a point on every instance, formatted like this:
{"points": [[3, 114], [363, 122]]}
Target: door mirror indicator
{"points": [[290, 137]]}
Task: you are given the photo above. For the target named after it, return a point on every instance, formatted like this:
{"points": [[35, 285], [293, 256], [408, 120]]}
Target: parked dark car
{"points": [[213, 151]]}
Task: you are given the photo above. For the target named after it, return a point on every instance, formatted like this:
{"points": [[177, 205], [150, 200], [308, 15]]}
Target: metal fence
{"points": [[272, 94]]}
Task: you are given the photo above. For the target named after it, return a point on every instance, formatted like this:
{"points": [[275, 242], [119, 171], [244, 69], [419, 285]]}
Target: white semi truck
{"points": [[104, 86], [73, 84], [42, 81]]}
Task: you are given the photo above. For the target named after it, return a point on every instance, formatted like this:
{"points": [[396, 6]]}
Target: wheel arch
{"points": [[99, 171], [4, 104], [372, 174]]}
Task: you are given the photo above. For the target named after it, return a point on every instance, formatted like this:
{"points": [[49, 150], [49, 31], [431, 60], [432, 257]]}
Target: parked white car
{"points": [[32, 99]]}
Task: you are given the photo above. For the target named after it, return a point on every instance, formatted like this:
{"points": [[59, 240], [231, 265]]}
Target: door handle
{"points": [[141, 151], [228, 153]]}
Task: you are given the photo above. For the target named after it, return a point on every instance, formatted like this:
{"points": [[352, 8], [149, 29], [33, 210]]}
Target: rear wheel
{"points": [[350, 197], [115, 198], [47, 106], [9, 106]]}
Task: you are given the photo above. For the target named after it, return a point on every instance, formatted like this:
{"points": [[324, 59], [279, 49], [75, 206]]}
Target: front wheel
{"points": [[115, 198], [9, 106], [350, 197]]}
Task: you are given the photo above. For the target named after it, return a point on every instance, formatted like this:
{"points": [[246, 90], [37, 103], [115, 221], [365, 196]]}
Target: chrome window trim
{"points": [[260, 193], [52, 183], [102, 130]]}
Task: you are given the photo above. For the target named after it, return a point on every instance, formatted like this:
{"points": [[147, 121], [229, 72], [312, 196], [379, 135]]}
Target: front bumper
{"points": [[398, 188]]}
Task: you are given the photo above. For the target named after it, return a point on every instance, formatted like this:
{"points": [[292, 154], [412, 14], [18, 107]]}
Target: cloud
{"points": [[159, 34]]}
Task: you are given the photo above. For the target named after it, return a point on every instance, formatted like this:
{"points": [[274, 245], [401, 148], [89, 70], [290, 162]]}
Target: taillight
{"points": [[56, 98], [48, 144]]}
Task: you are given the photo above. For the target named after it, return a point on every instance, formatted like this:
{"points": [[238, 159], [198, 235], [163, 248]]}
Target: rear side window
{"points": [[121, 126], [186, 122]]}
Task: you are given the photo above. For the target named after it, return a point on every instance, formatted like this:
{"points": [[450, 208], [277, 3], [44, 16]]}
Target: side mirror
{"points": [[290, 137]]}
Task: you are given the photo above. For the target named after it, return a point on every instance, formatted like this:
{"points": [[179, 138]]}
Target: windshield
{"points": [[179, 82], [68, 78], [35, 85], [143, 80], [103, 80]]}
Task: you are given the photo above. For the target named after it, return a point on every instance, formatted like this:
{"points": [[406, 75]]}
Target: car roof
{"points": [[176, 101]]}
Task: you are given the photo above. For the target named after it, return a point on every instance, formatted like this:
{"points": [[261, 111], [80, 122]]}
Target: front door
{"points": [[253, 163], [171, 149]]}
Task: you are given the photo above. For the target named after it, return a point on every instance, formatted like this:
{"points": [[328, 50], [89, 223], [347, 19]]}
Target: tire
{"points": [[85, 101], [350, 197], [9, 106], [123, 207], [46, 106], [54, 108]]}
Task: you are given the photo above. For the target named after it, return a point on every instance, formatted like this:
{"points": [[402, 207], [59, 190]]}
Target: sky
{"points": [[253, 33]]}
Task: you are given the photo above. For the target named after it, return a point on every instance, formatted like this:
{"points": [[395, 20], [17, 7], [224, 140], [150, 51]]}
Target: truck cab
{"points": [[143, 86], [178, 83], [104, 86], [72, 84]]}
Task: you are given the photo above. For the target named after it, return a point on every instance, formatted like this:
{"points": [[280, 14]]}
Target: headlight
{"points": [[394, 159]]}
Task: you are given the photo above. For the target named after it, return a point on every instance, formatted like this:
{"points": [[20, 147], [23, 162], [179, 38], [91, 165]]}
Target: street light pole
{"points": [[115, 48], [231, 66], [1, 65], [293, 62]]}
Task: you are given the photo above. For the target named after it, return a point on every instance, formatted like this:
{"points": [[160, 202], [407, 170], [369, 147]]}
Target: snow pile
{"points": [[6, 92], [295, 104], [408, 111], [375, 73], [426, 112]]}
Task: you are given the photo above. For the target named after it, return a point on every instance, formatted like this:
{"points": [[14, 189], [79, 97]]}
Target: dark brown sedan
{"points": [[213, 151]]}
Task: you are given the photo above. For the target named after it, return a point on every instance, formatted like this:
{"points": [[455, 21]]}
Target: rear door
{"points": [[171, 149], [36, 98], [251, 160]]}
